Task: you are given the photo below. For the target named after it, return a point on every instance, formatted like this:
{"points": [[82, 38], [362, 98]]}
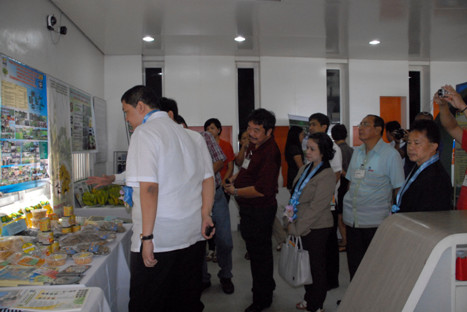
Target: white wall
{"points": [[447, 73], [368, 81], [71, 58], [293, 86], [121, 73]]}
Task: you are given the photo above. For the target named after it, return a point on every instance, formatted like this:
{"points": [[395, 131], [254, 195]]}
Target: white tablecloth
{"points": [[103, 211], [111, 273], [96, 301]]}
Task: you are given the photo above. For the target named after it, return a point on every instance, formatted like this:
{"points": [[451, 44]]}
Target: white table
{"points": [[96, 301], [103, 211], [111, 273]]}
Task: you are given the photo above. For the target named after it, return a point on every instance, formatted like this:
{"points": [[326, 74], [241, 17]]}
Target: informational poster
{"points": [[60, 144], [100, 110], [82, 121], [24, 133]]}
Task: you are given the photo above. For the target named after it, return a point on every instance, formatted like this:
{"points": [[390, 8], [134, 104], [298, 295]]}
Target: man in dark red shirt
{"points": [[255, 187]]}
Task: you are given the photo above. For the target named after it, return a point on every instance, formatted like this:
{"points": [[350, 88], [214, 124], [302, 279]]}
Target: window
{"points": [[248, 92], [82, 166], [333, 95]]}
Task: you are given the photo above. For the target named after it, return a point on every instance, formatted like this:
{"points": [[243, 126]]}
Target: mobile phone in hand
{"points": [[208, 230]]}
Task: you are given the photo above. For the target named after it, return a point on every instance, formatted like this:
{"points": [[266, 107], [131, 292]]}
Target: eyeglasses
{"points": [[364, 124]]}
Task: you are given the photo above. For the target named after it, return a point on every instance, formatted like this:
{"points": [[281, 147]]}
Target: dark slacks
{"points": [[256, 229], [173, 284], [332, 255], [358, 240], [315, 244]]}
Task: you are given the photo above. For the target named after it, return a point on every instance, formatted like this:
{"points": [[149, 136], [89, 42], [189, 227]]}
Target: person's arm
{"points": [[447, 119], [229, 171], [149, 192], [100, 181], [207, 194], [217, 166], [241, 155]]}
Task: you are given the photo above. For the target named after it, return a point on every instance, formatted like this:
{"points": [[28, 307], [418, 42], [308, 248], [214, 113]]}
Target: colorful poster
{"points": [[60, 144], [82, 121], [24, 133]]}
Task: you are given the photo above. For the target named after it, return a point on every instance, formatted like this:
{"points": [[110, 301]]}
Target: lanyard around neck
{"points": [[148, 115], [411, 179]]}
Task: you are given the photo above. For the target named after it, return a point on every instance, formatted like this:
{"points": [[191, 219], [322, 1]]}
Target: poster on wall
{"points": [[60, 144], [24, 132], [82, 120]]}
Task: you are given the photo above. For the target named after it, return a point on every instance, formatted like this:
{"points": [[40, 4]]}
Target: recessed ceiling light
{"points": [[239, 39], [374, 42], [148, 39]]}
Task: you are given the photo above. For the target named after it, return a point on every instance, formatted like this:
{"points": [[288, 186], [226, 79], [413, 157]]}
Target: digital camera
{"points": [[399, 134], [442, 93]]}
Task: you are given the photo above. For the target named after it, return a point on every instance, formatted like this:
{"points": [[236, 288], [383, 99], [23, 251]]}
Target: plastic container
{"points": [[39, 213], [56, 259], [461, 265], [82, 258]]}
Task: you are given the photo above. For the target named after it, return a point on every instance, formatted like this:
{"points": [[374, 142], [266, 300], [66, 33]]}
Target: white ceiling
{"points": [[415, 30]]}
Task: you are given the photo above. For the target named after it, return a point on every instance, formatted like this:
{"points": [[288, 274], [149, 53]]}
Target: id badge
{"points": [[246, 163], [359, 174], [465, 181]]}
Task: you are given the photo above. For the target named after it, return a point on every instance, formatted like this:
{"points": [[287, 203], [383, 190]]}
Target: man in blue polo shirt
{"points": [[375, 174]]}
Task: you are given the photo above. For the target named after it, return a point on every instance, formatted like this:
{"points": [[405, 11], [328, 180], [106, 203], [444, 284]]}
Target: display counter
{"points": [[95, 302], [103, 211], [410, 265]]}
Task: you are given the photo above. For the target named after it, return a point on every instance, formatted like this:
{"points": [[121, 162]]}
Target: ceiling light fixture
{"points": [[148, 39], [239, 39], [375, 42]]}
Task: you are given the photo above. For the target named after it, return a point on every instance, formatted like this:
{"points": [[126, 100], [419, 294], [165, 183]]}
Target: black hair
{"points": [[169, 105], [141, 93], [378, 122], [179, 119], [263, 117], [325, 145], [392, 125], [424, 115], [429, 127], [214, 121], [293, 137], [339, 132], [321, 118]]}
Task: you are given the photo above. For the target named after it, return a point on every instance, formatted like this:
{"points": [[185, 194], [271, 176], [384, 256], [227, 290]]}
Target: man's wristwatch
{"points": [[143, 238]]}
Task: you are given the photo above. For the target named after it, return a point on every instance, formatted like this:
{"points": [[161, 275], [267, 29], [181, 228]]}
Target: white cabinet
{"points": [[410, 265]]}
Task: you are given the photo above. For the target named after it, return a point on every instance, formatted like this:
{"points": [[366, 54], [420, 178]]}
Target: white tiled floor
{"points": [[285, 297]]}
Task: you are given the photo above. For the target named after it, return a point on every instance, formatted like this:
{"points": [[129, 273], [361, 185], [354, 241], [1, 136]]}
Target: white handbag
{"points": [[294, 262]]}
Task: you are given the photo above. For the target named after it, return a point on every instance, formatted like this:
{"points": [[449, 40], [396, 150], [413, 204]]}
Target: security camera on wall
{"points": [[51, 21]]}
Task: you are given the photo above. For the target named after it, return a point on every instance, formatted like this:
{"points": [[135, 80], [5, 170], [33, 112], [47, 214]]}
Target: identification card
{"points": [[465, 181], [359, 174], [246, 163]]}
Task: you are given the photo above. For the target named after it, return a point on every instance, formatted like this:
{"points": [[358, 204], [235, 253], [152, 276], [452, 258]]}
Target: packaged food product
{"points": [[66, 230], [45, 250], [55, 246], [72, 219], [83, 258], [56, 259], [39, 213], [28, 260], [44, 224], [65, 221], [45, 238], [67, 211], [75, 228], [35, 223], [53, 216]]}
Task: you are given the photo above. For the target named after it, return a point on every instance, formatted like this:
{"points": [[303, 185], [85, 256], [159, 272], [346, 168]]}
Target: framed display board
{"points": [[24, 133], [83, 133]]}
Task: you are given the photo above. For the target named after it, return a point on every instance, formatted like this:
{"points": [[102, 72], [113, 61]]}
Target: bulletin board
{"points": [[82, 121], [24, 134]]}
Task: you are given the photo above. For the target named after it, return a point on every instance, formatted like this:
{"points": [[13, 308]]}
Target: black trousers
{"points": [[332, 255], [256, 229], [315, 244], [358, 240], [173, 284]]}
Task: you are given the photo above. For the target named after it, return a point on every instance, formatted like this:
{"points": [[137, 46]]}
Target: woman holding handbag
{"points": [[308, 214]]}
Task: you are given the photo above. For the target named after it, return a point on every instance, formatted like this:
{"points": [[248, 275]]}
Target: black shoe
{"points": [[254, 307], [227, 285], [205, 285]]}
